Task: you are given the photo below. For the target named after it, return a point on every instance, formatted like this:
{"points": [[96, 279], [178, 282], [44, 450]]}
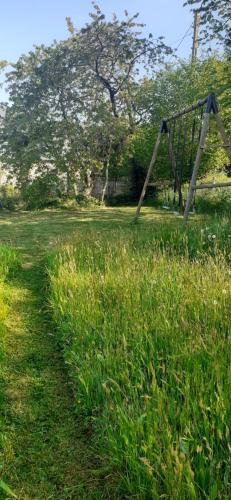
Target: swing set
{"points": [[186, 145]]}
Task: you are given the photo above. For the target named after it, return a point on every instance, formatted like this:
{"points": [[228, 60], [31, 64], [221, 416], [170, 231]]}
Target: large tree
{"points": [[112, 54], [215, 18], [67, 97]]}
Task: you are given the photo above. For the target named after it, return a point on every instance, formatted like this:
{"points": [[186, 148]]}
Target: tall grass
{"points": [[207, 201], [8, 262], [143, 317]]}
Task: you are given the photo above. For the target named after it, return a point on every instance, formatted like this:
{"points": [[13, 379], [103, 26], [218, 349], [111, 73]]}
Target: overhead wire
{"points": [[184, 36]]}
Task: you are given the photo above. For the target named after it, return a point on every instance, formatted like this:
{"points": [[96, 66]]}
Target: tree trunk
{"points": [[106, 173], [88, 183]]}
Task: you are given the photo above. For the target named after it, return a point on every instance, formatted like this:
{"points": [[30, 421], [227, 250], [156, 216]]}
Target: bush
{"points": [[143, 318], [86, 201], [41, 193], [119, 200], [138, 174], [9, 197]]}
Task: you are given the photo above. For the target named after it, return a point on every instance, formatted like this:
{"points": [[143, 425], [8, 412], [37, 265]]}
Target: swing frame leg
{"points": [[225, 139], [199, 155], [150, 168], [174, 167]]}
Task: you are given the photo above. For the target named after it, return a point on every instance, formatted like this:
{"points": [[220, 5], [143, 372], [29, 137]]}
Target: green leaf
{"points": [[213, 492], [7, 490]]}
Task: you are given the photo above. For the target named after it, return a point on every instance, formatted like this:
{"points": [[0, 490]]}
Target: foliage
{"points": [[87, 201], [72, 104], [3, 64], [206, 201], [143, 321], [173, 89], [41, 192], [112, 54], [4, 487], [9, 197], [215, 18]]}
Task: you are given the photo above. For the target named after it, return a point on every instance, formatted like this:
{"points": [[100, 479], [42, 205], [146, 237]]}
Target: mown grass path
{"points": [[46, 454], [45, 451]]}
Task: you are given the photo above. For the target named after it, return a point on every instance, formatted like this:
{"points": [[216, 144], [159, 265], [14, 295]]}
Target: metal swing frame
{"points": [[211, 108]]}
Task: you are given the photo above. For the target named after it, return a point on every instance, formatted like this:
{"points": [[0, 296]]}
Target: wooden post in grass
{"points": [[225, 140], [211, 108], [175, 172], [150, 168], [196, 165], [212, 185]]}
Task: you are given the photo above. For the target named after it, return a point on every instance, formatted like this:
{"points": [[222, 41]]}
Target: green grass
{"points": [[9, 262], [143, 319], [207, 201], [45, 451]]}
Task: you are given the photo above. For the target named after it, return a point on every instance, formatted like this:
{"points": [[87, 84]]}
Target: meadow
{"points": [[116, 365], [142, 316]]}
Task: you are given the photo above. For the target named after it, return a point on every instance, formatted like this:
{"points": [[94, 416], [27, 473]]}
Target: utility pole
{"points": [[197, 19]]}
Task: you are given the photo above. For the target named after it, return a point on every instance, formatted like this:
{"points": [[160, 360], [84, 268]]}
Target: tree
{"points": [[3, 64], [73, 103], [43, 124], [167, 94], [215, 18], [113, 52], [108, 134]]}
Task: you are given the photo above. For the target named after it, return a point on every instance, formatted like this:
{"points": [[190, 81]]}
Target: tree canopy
{"points": [[215, 19], [65, 97]]}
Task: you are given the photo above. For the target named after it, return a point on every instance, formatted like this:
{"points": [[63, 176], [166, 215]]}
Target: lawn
{"points": [[118, 356]]}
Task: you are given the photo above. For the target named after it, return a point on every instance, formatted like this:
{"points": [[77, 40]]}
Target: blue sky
{"points": [[27, 22]]}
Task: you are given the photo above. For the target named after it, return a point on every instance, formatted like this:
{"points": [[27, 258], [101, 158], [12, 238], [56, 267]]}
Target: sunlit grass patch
{"points": [[9, 260], [143, 319]]}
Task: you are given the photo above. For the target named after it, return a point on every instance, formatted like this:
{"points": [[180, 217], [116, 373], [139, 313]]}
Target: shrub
{"points": [[9, 197], [42, 192], [86, 201]]}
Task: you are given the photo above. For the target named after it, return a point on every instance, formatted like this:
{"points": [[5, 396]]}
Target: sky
{"points": [[24, 23]]}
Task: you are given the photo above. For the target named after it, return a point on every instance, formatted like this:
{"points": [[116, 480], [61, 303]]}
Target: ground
{"points": [[45, 450]]}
